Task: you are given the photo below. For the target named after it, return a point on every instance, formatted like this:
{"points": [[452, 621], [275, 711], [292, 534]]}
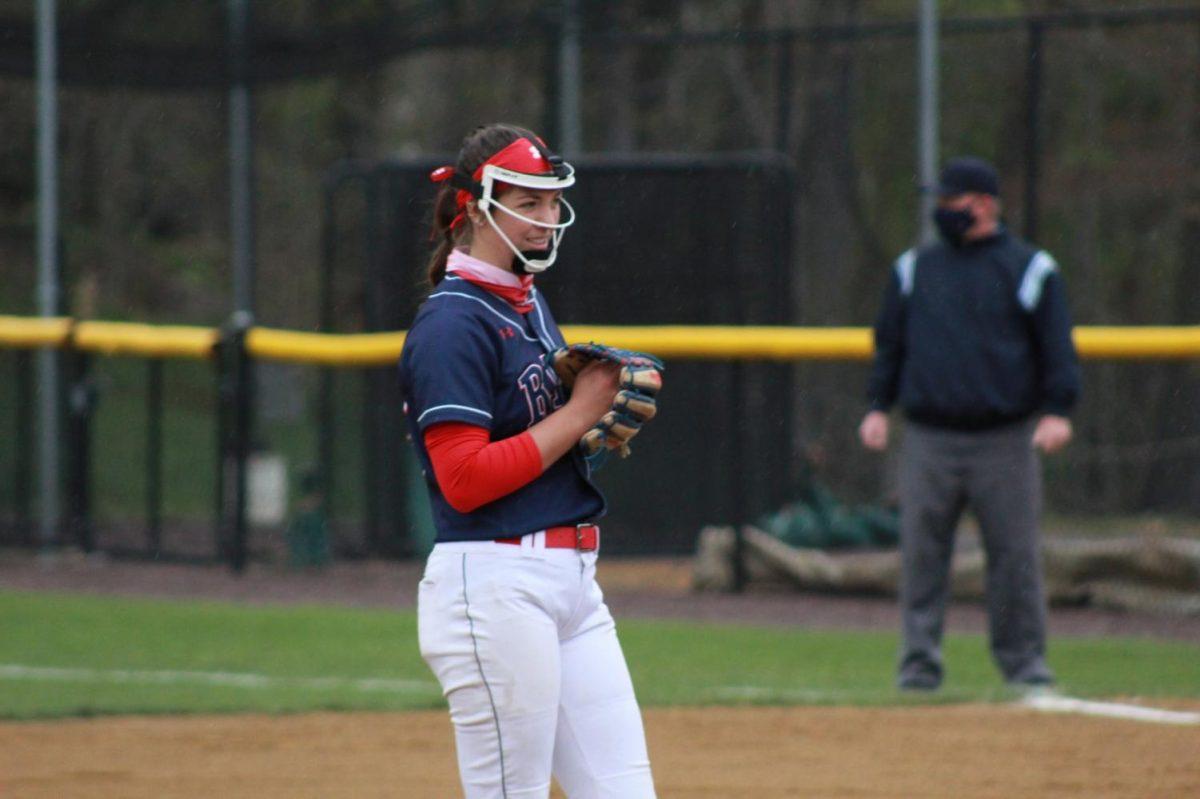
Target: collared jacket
{"points": [[975, 337]]}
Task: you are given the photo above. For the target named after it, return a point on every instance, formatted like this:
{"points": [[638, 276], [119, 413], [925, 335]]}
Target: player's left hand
{"points": [[568, 361], [1052, 433], [635, 402], [634, 405]]}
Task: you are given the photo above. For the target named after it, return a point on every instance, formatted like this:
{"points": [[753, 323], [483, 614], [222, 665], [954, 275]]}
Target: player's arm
{"points": [[472, 471]]}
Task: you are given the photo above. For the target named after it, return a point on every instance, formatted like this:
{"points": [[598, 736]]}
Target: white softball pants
{"points": [[527, 655]]}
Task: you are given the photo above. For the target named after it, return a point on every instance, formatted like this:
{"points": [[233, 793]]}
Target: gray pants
{"points": [[998, 474]]}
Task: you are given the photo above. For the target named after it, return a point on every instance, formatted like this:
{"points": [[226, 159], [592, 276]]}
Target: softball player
{"points": [[510, 617]]}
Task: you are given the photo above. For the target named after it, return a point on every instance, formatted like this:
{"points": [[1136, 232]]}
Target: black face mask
{"points": [[953, 225]]}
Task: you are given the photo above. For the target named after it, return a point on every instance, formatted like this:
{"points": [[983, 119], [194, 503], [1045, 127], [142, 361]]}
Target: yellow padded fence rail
{"points": [[150, 341], [667, 341], [1138, 342], [327, 349], [22, 332], [734, 343], [855, 343]]}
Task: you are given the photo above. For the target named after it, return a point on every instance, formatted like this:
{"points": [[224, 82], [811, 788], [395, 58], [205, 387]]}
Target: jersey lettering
{"points": [[540, 398]]}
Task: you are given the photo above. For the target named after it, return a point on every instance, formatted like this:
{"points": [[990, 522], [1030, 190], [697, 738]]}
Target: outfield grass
{"points": [[72, 655]]}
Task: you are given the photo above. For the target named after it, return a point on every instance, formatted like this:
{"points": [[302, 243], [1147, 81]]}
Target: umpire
{"points": [[974, 343]]}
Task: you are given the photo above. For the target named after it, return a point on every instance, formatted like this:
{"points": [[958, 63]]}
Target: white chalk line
{"points": [[1048, 703], [223, 679], [1052, 703]]}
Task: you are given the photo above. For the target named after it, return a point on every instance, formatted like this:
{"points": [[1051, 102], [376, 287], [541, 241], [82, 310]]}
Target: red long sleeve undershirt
{"points": [[472, 471]]}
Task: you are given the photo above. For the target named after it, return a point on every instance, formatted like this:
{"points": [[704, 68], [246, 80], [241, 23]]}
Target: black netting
{"points": [[1092, 117], [659, 241]]}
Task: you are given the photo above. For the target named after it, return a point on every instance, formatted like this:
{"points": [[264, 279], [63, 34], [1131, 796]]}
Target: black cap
{"points": [[967, 174]]}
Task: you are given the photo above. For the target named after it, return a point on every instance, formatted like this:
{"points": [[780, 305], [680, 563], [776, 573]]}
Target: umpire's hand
{"points": [[1052, 433], [873, 432]]}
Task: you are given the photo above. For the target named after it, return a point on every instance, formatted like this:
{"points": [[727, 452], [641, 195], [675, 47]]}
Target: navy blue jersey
{"points": [[470, 357]]}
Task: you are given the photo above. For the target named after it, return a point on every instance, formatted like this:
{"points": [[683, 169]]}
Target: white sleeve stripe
{"points": [[548, 341], [466, 408], [906, 266], [1040, 268]]}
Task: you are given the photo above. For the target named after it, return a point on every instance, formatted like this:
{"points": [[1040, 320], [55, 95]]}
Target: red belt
{"points": [[584, 537]]}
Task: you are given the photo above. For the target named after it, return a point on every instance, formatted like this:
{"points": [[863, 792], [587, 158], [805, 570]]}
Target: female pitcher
{"points": [[510, 617]]}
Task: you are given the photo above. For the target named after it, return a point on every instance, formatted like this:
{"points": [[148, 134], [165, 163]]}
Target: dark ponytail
{"points": [[444, 210], [479, 145]]}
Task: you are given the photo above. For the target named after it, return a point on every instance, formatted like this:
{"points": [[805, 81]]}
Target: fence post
{"points": [[784, 87], [742, 454], [326, 420], [23, 461], [222, 425], [372, 480], [235, 392], [154, 411], [552, 69], [81, 402], [1033, 102]]}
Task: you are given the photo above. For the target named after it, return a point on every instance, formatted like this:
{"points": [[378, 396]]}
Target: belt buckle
{"points": [[579, 537]]}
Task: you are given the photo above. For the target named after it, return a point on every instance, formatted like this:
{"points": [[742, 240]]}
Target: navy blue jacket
{"points": [[974, 337]]}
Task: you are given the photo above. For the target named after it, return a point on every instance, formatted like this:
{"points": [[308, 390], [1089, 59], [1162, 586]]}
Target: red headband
{"points": [[521, 155]]}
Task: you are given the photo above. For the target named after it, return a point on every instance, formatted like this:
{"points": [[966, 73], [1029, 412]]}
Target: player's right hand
{"points": [[873, 432], [595, 388]]}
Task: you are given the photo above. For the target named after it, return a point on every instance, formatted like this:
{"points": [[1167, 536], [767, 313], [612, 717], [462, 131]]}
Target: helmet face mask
{"points": [[562, 178]]}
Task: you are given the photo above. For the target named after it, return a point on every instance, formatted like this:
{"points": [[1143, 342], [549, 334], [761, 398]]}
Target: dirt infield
{"points": [[714, 753]]}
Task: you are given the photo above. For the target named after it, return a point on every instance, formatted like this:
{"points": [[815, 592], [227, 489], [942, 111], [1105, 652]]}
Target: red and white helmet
{"points": [[526, 163]]}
